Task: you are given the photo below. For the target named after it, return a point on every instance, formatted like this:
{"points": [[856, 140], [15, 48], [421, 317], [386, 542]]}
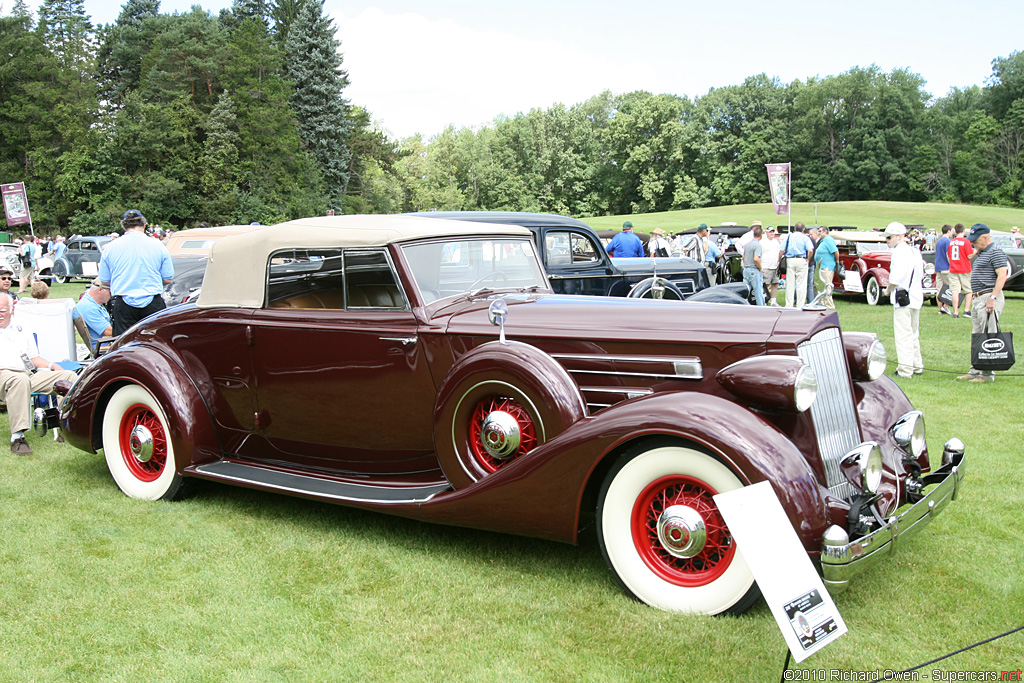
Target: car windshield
{"points": [[457, 267]]}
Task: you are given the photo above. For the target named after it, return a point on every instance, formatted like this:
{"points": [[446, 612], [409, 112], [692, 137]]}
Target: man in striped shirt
{"points": [[988, 275]]}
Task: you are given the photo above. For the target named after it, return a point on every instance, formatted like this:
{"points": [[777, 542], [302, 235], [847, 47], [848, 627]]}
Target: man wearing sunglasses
{"points": [[6, 280]]}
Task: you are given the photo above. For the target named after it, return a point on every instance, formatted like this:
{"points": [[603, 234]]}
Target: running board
{"points": [[300, 484]]}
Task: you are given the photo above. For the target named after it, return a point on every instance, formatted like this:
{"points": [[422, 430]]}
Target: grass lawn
{"points": [[864, 215], [236, 585]]}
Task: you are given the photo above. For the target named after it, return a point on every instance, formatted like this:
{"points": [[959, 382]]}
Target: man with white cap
{"points": [[906, 271]]}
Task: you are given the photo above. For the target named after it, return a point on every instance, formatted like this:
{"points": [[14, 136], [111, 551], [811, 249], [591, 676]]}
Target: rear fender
{"points": [[881, 274], [189, 423], [542, 494]]}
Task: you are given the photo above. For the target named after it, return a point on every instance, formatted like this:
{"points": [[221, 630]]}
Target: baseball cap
{"points": [[627, 226], [977, 230], [4, 268], [702, 226], [772, 228], [133, 215], [895, 228]]}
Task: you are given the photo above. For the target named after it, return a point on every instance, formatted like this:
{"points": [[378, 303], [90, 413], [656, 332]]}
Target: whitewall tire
{"points": [[137, 445], [664, 538]]}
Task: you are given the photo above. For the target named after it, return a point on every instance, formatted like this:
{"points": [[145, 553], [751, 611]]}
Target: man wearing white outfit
{"points": [[906, 271], [798, 248]]}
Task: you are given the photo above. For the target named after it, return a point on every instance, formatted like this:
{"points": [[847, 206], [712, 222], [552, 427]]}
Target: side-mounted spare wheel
{"points": [[499, 402], [137, 445], [656, 288], [664, 538]]}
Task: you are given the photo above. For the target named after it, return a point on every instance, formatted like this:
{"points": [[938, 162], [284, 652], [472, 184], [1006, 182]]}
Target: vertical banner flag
{"points": [[779, 184], [15, 204]]}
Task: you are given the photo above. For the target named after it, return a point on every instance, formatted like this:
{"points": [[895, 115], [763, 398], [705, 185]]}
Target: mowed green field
{"points": [[864, 215], [237, 585]]}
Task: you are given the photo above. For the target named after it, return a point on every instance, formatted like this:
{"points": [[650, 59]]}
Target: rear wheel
{"points": [[664, 538], [137, 445]]}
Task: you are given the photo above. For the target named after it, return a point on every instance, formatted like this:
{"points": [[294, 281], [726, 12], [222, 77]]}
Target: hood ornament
{"points": [[497, 313]]}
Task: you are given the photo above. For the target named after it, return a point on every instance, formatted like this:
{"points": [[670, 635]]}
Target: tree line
{"points": [[242, 117]]}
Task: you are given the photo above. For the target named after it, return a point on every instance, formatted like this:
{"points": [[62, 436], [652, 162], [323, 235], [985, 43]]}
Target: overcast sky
{"points": [[420, 65]]}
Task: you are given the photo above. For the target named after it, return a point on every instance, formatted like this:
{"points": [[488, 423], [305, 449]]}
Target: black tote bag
{"points": [[992, 351]]}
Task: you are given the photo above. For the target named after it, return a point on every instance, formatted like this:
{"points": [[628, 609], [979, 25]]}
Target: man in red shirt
{"points": [[959, 252]]}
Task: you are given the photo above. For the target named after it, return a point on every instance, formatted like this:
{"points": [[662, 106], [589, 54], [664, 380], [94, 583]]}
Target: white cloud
{"points": [[419, 75]]}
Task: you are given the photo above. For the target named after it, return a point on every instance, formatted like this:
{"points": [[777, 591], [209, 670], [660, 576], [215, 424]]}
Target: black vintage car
{"points": [[577, 263]]}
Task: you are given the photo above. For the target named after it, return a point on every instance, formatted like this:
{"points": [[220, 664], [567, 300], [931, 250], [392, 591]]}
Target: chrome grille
{"points": [[833, 412]]}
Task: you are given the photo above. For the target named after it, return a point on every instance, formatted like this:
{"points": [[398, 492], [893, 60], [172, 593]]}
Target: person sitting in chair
{"points": [[22, 372], [92, 309]]}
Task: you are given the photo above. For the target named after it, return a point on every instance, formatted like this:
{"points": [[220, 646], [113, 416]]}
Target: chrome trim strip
{"points": [[833, 412], [841, 563], [619, 390], [686, 367]]}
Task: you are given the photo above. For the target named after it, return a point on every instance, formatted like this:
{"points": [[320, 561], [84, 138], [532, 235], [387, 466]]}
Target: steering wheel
{"points": [[497, 276]]}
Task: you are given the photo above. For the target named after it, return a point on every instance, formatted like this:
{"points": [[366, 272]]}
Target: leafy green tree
{"points": [[313, 65], [219, 163], [186, 58]]}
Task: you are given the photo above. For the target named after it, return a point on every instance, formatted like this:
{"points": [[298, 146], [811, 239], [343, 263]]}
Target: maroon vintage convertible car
{"points": [[355, 360], [866, 260]]}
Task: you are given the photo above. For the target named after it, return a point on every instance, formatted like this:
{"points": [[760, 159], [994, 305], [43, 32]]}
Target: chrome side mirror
{"points": [[497, 314]]}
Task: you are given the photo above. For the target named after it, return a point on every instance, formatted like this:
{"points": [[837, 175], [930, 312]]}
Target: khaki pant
{"points": [[17, 386], [825, 278], [906, 323], [796, 282]]}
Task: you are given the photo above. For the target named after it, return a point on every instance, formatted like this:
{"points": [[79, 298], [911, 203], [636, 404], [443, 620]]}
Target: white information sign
{"points": [[90, 268], [804, 610], [852, 283]]}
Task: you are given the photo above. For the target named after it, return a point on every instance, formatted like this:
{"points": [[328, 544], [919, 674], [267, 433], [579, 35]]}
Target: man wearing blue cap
{"points": [[135, 269], [626, 244], [988, 275]]}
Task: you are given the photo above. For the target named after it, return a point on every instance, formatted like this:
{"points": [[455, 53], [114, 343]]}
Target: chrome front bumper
{"points": [[841, 562]]}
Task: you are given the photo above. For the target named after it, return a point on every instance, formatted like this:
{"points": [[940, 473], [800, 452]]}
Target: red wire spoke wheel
{"points": [[680, 533], [500, 431], [137, 445], [662, 535], [143, 443]]}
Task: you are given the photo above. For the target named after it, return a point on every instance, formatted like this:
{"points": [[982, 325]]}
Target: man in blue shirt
{"points": [[626, 244], [825, 261], [135, 268], [942, 265], [92, 308], [59, 248]]}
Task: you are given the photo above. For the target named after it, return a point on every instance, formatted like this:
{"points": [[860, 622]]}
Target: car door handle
{"points": [[404, 341]]}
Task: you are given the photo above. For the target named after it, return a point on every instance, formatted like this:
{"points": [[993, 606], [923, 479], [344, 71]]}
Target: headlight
{"points": [[909, 433], [865, 355], [868, 458], [777, 383], [805, 389], [876, 360]]}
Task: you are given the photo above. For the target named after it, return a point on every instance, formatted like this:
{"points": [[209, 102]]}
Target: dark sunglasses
{"points": [[5, 277]]}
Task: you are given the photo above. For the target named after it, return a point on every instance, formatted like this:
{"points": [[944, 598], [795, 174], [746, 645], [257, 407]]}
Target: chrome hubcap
{"points": [[500, 434], [681, 531], [141, 443]]}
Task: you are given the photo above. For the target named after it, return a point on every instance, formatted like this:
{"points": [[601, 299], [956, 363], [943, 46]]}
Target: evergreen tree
{"points": [[22, 11], [122, 47], [314, 68], [219, 163], [284, 12], [65, 28]]}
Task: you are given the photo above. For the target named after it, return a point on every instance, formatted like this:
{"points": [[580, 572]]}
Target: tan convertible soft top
{"points": [[237, 272]]}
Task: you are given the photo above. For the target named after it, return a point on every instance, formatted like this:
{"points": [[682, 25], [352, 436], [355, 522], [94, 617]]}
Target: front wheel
{"points": [[60, 273], [664, 538], [137, 446], [872, 290]]}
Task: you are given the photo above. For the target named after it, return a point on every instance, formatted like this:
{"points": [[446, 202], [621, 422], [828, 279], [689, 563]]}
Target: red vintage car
{"points": [[424, 368], [866, 259]]}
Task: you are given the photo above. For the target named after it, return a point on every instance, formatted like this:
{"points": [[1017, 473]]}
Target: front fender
{"points": [[189, 423], [541, 494]]}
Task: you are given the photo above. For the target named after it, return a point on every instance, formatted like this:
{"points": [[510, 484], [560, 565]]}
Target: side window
{"points": [[86, 246], [306, 278], [74, 245], [371, 281], [557, 248], [583, 249]]}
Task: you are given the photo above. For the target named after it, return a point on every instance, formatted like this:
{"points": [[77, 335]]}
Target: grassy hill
{"points": [[864, 215]]}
